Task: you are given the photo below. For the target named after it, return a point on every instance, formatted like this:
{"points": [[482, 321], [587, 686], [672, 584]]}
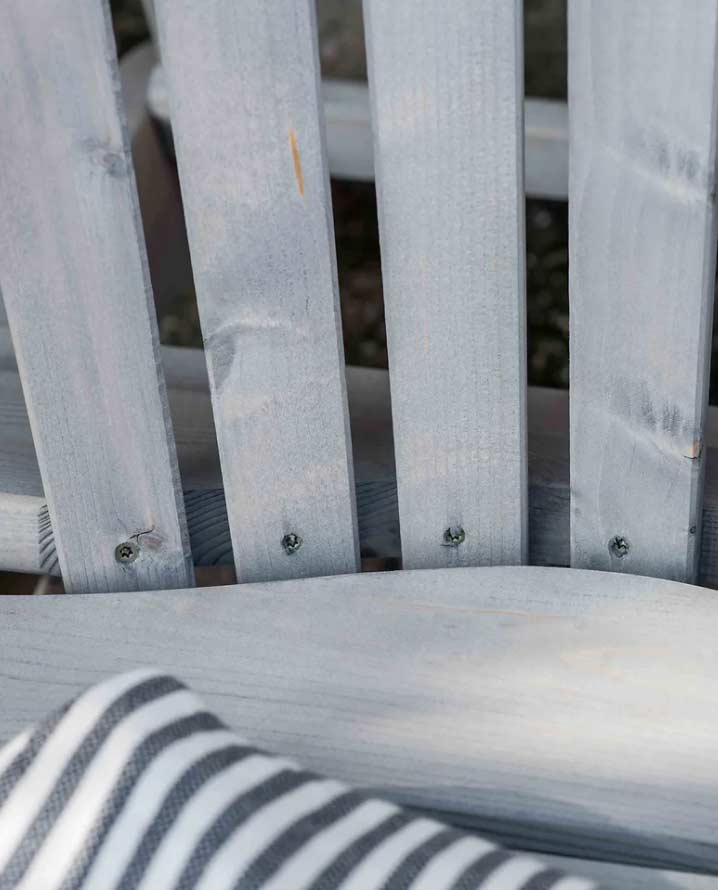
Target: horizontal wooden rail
{"points": [[350, 146], [26, 538], [529, 703]]}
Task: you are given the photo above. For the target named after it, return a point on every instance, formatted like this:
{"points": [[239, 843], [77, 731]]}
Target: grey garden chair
{"points": [[569, 711]]}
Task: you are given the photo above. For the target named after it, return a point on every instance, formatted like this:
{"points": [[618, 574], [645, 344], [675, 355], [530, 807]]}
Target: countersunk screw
{"points": [[127, 552], [619, 546], [291, 543], [454, 536]]}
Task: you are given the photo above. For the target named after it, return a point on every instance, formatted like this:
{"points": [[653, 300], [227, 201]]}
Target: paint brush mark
{"points": [[297, 162]]}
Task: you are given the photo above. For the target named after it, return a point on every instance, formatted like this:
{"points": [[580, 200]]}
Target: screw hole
{"points": [[291, 543], [127, 552], [454, 536], [619, 546]]}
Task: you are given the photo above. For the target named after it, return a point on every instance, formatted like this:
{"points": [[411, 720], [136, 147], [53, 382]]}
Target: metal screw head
{"points": [[454, 536], [619, 546], [127, 552], [291, 543]]}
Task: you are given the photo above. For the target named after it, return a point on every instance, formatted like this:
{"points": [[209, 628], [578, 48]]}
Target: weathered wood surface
{"points": [[447, 90], [76, 289], [22, 505], [627, 877], [244, 88], [642, 265], [350, 146], [525, 702]]}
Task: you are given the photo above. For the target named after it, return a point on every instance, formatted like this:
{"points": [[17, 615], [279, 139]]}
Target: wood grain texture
{"points": [[244, 87], [627, 877], [447, 90], [350, 146], [75, 284], [22, 504], [643, 103], [521, 701]]}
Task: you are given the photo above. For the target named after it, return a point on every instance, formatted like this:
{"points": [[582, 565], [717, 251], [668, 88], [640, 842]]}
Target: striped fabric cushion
{"points": [[135, 785]]}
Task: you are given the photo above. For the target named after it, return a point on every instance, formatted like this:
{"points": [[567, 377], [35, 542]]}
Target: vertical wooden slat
{"points": [[643, 103], [447, 88], [243, 80], [74, 279]]}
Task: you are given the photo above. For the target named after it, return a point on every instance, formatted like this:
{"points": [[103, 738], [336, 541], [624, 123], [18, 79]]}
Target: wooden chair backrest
{"points": [[447, 108]]}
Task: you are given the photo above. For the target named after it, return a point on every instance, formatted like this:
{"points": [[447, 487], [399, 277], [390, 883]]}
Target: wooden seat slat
{"points": [[526, 699]]}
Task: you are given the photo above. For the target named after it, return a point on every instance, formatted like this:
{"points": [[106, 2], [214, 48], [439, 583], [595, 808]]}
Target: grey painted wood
{"points": [[447, 88], [546, 149], [526, 702], [22, 504], [244, 87], [76, 289], [642, 263], [631, 878], [350, 146]]}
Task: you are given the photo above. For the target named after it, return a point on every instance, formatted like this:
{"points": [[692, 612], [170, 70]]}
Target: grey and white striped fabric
{"points": [[135, 785]]}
